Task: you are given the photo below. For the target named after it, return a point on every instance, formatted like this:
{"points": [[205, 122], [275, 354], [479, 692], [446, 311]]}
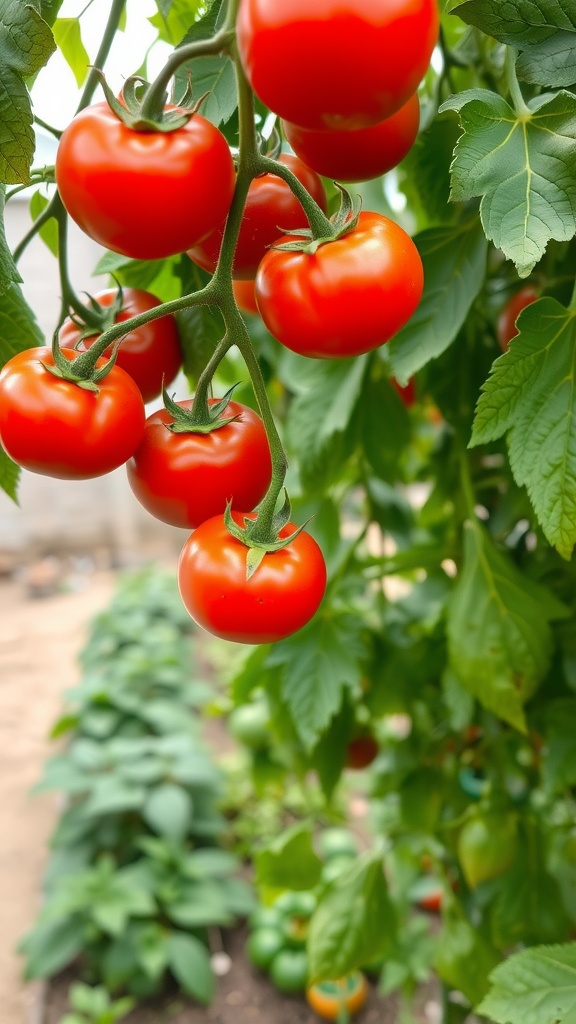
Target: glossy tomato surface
{"points": [[357, 155], [271, 207], [186, 478], [150, 354], [506, 324], [52, 426], [333, 64], [279, 598], [245, 297], [328, 997], [350, 296], [144, 194]]}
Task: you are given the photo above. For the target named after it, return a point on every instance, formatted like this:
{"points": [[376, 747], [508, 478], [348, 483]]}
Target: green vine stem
{"points": [[521, 108], [69, 299], [155, 97], [320, 225]]}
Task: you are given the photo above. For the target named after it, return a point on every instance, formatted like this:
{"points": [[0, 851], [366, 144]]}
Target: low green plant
{"points": [[93, 1005]]}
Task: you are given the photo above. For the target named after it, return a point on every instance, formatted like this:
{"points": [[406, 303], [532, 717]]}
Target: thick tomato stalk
{"points": [[53, 426], [145, 194], [350, 296], [186, 478], [328, 66], [357, 155], [151, 354], [280, 597], [271, 208]]}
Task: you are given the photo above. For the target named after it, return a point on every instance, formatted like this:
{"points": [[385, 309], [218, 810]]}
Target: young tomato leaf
{"points": [[67, 35], [354, 923], [289, 862], [190, 964], [499, 638], [168, 810], [530, 396], [535, 986], [454, 261], [524, 167]]}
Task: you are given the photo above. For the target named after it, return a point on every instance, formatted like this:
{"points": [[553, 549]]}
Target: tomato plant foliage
{"points": [[446, 522]]}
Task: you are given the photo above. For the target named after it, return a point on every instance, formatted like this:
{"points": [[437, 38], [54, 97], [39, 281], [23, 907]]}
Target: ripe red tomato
{"points": [[330, 66], [280, 598], [144, 194], [184, 479], [350, 296], [149, 354], [52, 426], [506, 324], [244, 295], [271, 208], [407, 393], [361, 752], [357, 155]]}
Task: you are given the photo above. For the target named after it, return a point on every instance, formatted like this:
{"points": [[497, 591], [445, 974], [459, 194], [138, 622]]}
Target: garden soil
{"points": [[42, 631]]}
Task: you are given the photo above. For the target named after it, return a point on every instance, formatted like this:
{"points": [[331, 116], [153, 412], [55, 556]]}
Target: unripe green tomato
{"points": [[487, 847], [296, 904], [249, 724], [289, 971], [333, 842], [263, 945], [265, 917]]}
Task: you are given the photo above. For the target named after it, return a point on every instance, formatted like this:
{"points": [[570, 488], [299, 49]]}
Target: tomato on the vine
{"points": [[361, 751], [289, 970], [361, 154], [151, 354], [53, 426], [250, 725], [145, 194], [280, 597], [271, 208], [406, 393], [487, 846], [351, 295], [332, 66], [506, 324], [328, 998], [185, 478]]}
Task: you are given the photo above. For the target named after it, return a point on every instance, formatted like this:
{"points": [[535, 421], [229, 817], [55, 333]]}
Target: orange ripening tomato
{"points": [[328, 998]]}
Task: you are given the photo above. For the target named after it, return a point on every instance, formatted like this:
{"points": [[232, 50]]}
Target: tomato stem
{"points": [[320, 225], [153, 102], [108, 36]]}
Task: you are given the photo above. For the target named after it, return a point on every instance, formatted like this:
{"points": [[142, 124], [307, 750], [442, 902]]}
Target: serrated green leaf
{"points": [[69, 39], [354, 923], [319, 664], [18, 327], [559, 766], [545, 30], [168, 810], [530, 395], [216, 76], [9, 273], [289, 861], [534, 986], [464, 958], [49, 231], [529, 905], [525, 170], [51, 945], [190, 965], [454, 261], [9, 476], [499, 638], [26, 43], [385, 428]]}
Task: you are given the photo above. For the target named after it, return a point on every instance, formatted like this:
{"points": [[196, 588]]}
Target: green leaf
{"points": [[168, 810], [51, 946], [49, 231], [289, 862], [535, 986], [545, 30], [499, 638], [9, 273], [18, 327], [354, 922], [424, 175], [385, 428], [151, 942], [112, 796], [523, 167], [26, 43], [530, 395], [319, 664], [559, 766], [464, 958], [190, 965], [454, 261], [69, 39], [215, 76], [176, 16], [9, 476], [529, 905]]}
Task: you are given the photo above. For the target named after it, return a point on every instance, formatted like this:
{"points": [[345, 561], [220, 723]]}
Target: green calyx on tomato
{"points": [[85, 370], [343, 222], [196, 420], [262, 542], [143, 111]]}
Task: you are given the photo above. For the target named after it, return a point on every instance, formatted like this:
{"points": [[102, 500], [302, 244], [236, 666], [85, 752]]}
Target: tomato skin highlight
{"points": [[146, 195], [355, 62], [279, 599], [349, 297], [150, 354], [357, 155], [184, 479], [271, 208], [54, 427], [506, 324]]}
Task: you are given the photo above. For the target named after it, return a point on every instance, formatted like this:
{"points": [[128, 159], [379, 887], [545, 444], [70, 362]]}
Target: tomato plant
{"points": [[185, 477], [55, 427], [280, 598], [145, 194], [150, 354], [506, 323], [271, 208], [349, 296], [387, 54], [361, 154]]}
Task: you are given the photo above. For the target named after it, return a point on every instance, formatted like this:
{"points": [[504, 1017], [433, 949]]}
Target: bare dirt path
{"points": [[39, 641]]}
